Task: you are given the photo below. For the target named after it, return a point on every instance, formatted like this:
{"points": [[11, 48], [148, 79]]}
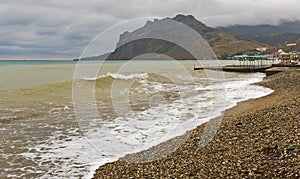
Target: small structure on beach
{"points": [[248, 64], [251, 60], [289, 57]]}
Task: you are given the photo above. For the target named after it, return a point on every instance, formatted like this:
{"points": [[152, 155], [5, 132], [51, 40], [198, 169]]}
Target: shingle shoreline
{"points": [[258, 138]]}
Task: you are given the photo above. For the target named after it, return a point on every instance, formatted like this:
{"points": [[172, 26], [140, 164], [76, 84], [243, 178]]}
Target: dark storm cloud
{"points": [[54, 28]]}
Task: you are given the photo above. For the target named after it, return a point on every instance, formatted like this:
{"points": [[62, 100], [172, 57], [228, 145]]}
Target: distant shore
{"points": [[257, 138]]}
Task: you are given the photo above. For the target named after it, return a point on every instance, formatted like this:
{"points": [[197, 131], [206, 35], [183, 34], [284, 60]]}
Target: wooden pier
{"points": [[236, 68], [268, 69]]}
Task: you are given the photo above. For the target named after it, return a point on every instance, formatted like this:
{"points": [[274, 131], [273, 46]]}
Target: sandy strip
{"points": [[257, 138]]}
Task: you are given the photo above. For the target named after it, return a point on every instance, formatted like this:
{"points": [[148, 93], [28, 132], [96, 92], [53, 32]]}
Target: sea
{"points": [[64, 119]]}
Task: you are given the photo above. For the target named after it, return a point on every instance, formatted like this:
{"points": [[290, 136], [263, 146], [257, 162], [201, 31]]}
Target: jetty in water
{"points": [[251, 64], [268, 69], [236, 68]]}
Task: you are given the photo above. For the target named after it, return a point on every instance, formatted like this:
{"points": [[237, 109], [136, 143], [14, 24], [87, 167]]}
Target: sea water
{"points": [[47, 129]]}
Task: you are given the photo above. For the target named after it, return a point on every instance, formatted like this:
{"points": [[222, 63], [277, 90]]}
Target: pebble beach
{"points": [[258, 138]]}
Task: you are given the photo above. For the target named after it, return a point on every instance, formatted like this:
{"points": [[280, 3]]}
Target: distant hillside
{"points": [[223, 43], [273, 35]]}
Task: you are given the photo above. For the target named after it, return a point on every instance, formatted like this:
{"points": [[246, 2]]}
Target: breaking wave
{"points": [[118, 76]]}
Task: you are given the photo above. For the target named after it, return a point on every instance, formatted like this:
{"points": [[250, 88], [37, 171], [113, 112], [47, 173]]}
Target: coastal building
{"points": [[261, 49], [251, 60], [291, 44], [290, 57]]}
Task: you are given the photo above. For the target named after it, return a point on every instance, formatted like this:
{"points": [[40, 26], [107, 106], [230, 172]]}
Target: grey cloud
{"points": [[64, 28]]}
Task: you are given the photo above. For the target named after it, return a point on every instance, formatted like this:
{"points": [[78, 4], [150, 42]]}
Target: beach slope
{"points": [[257, 138]]}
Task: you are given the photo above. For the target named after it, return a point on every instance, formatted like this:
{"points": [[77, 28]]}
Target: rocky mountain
{"points": [[132, 44], [273, 35]]}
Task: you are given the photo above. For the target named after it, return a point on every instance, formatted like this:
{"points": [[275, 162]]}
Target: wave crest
{"points": [[118, 76]]}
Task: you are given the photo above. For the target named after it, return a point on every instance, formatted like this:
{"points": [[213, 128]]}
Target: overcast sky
{"points": [[61, 29]]}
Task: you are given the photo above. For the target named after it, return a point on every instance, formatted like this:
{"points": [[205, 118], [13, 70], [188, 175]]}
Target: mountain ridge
{"points": [[273, 35], [223, 43]]}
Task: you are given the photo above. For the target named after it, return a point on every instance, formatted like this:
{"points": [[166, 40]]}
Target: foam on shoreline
{"points": [[258, 119], [247, 91]]}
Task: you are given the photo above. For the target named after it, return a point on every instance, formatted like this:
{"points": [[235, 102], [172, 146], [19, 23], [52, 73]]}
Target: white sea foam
{"points": [[123, 136], [118, 76], [90, 78], [141, 130]]}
